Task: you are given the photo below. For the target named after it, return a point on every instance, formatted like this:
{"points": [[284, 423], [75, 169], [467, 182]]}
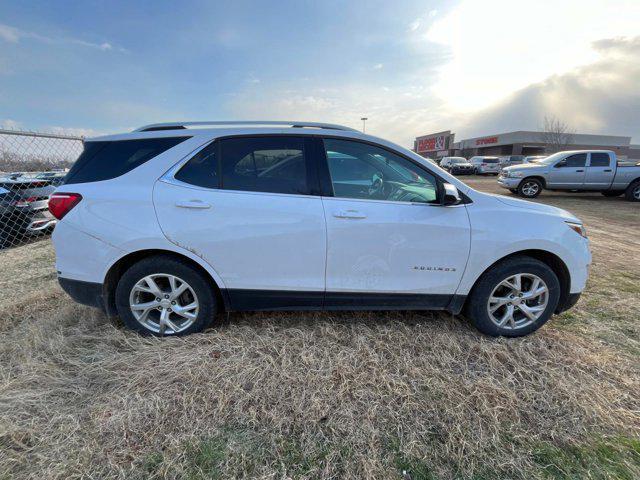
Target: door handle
{"points": [[349, 214], [579, 171], [197, 204], [607, 170]]}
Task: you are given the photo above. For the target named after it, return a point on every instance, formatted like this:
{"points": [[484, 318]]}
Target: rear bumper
{"points": [[86, 293]]}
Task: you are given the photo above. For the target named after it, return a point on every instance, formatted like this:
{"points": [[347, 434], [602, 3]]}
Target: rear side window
{"points": [[264, 164], [202, 169], [599, 159], [107, 160]]}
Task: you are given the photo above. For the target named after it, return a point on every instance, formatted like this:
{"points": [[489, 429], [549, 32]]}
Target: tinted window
{"points": [[577, 160], [106, 160], [359, 170], [264, 164], [599, 160], [202, 169]]}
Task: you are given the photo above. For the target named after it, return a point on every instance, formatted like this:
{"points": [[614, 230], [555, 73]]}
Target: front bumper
{"points": [[570, 302], [461, 171], [510, 183]]}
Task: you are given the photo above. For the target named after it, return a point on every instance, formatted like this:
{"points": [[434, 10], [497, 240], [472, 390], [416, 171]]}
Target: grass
{"points": [[326, 395], [617, 458]]}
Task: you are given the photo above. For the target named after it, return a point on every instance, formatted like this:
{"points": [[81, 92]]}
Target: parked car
{"points": [[510, 160], [485, 165], [169, 224], [578, 170], [457, 166], [35, 191], [15, 216], [54, 178], [534, 158]]}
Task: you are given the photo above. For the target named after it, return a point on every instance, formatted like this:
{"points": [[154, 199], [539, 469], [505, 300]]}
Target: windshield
{"points": [[458, 160]]}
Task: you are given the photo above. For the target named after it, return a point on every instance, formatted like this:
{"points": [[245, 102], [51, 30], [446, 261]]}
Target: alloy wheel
{"points": [[636, 193], [164, 303], [530, 189], [518, 301]]}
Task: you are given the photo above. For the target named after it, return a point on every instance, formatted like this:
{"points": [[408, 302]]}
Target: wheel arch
{"points": [[541, 179], [118, 268], [553, 261]]}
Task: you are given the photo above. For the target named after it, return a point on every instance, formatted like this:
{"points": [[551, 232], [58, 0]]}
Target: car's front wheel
{"points": [[530, 188], [164, 296], [514, 298]]}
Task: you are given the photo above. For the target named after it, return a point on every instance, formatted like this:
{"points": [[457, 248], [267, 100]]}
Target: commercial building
{"points": [[522, 142]]}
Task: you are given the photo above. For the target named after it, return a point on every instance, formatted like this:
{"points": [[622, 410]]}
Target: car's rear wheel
{"points": [[164, 296], [612, 193], [530, 188], [514, 298], [633, 192]]}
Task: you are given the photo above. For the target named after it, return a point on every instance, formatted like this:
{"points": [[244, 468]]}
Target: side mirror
{"points": [[561, 164], [451, 195]]}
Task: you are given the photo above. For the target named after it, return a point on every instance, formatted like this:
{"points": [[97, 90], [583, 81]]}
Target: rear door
{"points": [[390, 243], [249, 207], [568, 172], [600, 171]]}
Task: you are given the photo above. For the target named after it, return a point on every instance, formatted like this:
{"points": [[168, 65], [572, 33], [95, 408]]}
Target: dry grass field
{"points": [[327, 395]]}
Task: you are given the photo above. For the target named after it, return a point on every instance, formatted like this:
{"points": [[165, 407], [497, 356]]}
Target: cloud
{"points": [[415, 25], [9, 124], [600, 97], [14, 35], [73, 131], [493, 53], [378, 66], [9, 34]]}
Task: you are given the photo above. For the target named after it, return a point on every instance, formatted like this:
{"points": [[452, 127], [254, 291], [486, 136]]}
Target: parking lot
{"points": [[327, 395]]}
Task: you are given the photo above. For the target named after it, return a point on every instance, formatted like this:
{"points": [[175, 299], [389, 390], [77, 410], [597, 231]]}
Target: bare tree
{"points": [[556, 134]]}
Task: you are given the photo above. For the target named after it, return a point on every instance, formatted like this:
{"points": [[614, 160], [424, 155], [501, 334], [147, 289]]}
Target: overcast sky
{"points": [[411, 67]]}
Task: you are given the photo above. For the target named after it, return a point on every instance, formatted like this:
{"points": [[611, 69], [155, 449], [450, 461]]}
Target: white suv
{"points": [[172, 223]]}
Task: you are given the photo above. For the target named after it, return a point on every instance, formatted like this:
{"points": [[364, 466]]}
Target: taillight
{"points": [[61, 203]]}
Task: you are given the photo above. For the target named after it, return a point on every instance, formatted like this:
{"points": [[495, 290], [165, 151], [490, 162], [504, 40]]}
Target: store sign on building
{"points": [[486, 140], [431, 144]]}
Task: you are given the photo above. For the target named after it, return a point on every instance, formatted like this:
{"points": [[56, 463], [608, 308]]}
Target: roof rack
{"points": [[183, 125]]}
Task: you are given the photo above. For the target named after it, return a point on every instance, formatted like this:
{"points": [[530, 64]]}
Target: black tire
{"points": [[513, 190], [530, 188], [612, 193], [160, 264], [632, 193], [476, 309]]}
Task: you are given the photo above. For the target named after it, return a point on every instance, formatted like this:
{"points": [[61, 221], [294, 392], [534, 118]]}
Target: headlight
{"points": [[578, 228], [515, 174]]}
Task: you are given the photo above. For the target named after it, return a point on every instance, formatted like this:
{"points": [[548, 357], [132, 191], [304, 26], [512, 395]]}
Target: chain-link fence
{"points": [[32, 165]]}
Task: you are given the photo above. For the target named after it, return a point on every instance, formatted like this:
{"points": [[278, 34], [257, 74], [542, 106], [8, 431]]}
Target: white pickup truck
{"points": [[577, 170]]}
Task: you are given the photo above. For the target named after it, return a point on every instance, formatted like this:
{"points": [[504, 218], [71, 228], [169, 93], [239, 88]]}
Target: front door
{"points": [[568, 172], [244, 205], [389, 241]]}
